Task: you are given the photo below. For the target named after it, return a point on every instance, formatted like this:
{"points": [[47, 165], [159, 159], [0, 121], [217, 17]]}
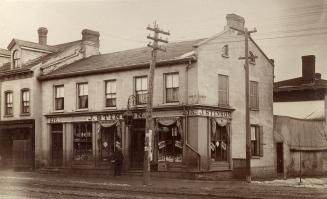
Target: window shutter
{"points": [[261, 140]]}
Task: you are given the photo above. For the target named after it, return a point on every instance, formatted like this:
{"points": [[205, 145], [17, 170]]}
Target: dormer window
{"points": [[224, 51], [15, 59]]}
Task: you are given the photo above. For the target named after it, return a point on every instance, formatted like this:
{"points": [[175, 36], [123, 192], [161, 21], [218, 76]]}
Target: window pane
{"points": [[144, 83], [169, 81], [175, 80]]}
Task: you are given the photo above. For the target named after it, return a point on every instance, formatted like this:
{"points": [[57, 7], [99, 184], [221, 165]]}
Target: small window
{"points": [[224, 51], [25, 101], [256, 141], [82, 91], [141, 90], [59, 97], [172, 87], [254, 95], [223, 97], [8, 103], [111, 93], [251, 57], [15, 59]]}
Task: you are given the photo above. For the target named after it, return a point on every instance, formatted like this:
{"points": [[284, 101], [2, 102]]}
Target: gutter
{"points": [[114, 69]]}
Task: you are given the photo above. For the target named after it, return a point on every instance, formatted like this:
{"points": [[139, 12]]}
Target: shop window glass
{"points": [[59, 97], [111, 93], [25, 101], [254, 95], [109, 140], [83, 95], [219, 145], [170, 144], [172, 87], [8, 103], [83, 141], [223, 90], [141, 89]]}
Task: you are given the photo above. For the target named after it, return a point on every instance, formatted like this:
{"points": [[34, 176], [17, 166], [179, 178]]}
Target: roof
{"points": [[299, 84], [309, 109], [26, 67], [301, 134], [30, 44], [174, 51], [4, 52]]}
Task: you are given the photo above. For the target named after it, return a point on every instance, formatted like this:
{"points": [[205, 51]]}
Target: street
{"points": [[35, 185]]}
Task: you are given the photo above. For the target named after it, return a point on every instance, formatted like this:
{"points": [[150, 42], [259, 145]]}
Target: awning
{"points": [[108, 124]]}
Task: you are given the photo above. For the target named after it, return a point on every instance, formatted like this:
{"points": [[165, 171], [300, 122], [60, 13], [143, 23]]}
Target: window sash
{"points": [[8, 103], [254, 97], [172, 94], [82, 89], [223, 97], [83, 101], [141, 97], [255, 141], [111, 86], [59, 91], [141, 83], [59, 103]]}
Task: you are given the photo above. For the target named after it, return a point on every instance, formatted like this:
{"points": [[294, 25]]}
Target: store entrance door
{"points": [[57, 145], [137, 144]]}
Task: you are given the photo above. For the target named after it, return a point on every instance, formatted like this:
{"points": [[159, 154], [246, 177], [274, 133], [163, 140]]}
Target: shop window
{"points": [[59, 97], [223, 90], [141, 90], [172, 87], [256, 140], [25, 101], [109, 140], [224, 51], [111, 93], [8, 103], [82, 95], [254, 95], [219, 145], [15, 59], [82, 141], [170, 144]]}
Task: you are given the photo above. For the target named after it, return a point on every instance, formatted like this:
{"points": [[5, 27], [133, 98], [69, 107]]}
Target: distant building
{"points": [[300, 107], [199, 107]]}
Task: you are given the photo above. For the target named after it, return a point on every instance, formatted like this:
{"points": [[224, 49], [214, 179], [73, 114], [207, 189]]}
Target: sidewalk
{"points": [[132, 183]]}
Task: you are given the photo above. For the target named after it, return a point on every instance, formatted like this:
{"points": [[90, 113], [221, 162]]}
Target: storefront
{"points": [[17, 144], [191, 139]]}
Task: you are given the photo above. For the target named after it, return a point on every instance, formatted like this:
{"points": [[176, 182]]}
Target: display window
{"points": [[170, 143], [82, 142], [219, 141]]}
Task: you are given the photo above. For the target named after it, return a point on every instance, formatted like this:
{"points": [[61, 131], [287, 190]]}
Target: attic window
{"points": [[251, 57], [224, 51], [15, 59]]}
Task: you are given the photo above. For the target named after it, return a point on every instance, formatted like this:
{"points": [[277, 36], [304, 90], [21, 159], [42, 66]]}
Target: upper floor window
{"points": [[15, 59], [8, 103], [25, 101], [111, 93], [223, 98], [141, 89], [172, 87], [59, 97], [224, 51], [254, 95], [256, 140], [82, 90]]}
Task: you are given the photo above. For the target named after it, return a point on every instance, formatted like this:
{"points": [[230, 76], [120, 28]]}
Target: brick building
{"points": [[199, 107]]}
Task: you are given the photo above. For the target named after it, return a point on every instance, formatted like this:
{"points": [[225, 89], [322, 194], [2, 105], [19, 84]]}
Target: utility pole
{"points": [[149, 126], [247, 100]]}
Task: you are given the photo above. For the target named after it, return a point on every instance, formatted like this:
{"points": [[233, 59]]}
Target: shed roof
{"points": [[305, 135]]}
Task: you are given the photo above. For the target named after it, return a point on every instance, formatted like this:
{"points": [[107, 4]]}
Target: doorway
{"points": [[56, 145], [280, 158], [137, 144]]}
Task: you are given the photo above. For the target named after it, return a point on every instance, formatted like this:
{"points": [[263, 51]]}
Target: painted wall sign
{"points": [[209, 113]]}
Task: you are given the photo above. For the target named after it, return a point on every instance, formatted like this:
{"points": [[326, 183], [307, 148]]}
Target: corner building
{"points": [[91, 105]]}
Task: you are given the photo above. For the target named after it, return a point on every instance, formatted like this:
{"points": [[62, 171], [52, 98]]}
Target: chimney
{"points": [[90, 42], [235, 21], [308, 67], [42, 35]]}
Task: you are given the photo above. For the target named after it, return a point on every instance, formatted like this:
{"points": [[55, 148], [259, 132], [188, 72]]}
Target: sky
{"points": [[287, 29]]}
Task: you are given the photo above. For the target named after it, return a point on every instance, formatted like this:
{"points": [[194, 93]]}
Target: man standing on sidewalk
{"points": [[118, 160]]}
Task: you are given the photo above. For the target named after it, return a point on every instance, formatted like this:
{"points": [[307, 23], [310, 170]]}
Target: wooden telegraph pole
{"points": [[247, 100], [149, 126]]}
